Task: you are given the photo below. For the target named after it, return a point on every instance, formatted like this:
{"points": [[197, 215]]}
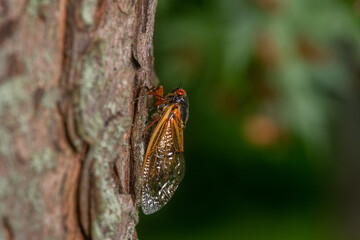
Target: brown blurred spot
{"points": [[22, 153], [15, 67], [357, 7], [261, 131], [263, 89], [4, 8], [191, 58], [38, 95], [7, 29], [266, 50], [227, 100], [8, 231], [260, 82], [268, 5], [310, 50], [99, 14]]}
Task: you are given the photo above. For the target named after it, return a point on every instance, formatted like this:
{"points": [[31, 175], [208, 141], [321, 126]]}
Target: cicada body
{"points": [[164, 166]]}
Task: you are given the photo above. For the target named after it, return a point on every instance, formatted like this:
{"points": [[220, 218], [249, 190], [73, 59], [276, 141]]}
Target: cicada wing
{"points": [[164, 166]]}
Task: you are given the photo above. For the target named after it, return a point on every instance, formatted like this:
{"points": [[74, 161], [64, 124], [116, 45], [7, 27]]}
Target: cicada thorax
{"points": [[164, 166]]}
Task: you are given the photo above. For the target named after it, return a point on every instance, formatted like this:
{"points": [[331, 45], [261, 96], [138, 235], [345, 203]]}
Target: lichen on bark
{"points": [[72, 116]]}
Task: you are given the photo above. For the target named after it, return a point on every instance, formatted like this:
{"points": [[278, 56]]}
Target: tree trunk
{"points": [[72, 74]]}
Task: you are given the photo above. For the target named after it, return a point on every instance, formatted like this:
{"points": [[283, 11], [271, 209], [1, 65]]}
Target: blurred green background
{"points": [[272, 142]]}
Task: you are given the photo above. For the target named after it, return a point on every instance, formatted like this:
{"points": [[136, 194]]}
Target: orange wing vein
{"points": [[164, 165]]}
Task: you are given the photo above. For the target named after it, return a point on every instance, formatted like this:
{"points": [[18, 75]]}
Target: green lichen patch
{"points": [[43, 160], [111, 106], [34, 196], [4, 187], [6, 142], [89, 116], [50, 98], [12, 93], [33, 6], [107, 203], [88, 9]]}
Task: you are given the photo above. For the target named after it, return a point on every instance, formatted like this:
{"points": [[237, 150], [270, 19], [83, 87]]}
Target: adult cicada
{"points": [[164, 166]]}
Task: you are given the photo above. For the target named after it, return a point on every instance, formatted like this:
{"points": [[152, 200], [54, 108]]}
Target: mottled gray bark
{"points": [[71, 116]]}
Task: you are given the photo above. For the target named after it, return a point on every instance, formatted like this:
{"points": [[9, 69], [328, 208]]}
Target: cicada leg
{"points": [[158, 93], [154, 120]]}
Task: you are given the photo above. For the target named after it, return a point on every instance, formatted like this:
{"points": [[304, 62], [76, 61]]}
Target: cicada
{"points": [[164, 167]]}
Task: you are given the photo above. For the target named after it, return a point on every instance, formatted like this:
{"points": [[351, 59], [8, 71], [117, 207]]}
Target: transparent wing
{"points": [[164, 166]]}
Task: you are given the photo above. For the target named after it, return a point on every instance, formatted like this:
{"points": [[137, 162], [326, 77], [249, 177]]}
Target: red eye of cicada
{"points": [[180, 92]]}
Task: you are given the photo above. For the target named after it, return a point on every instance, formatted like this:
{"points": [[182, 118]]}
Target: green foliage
{"points": [[265, 79], [295, 49]]}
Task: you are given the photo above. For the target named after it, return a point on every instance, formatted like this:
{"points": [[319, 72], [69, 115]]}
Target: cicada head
{"points": [[178, 95]]}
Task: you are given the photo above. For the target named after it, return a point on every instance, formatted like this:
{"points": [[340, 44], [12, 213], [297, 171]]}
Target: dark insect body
{"points": [[164, 166]]}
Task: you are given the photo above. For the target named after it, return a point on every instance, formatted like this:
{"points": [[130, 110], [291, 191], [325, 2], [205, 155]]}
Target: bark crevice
{"points": [[71, 127], [8, 229]]}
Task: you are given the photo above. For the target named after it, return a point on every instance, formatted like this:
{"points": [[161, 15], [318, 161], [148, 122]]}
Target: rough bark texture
{"points": [[71, 116]]}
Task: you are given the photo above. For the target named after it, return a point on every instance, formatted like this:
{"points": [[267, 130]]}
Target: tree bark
{"points": [[72, 77]]}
